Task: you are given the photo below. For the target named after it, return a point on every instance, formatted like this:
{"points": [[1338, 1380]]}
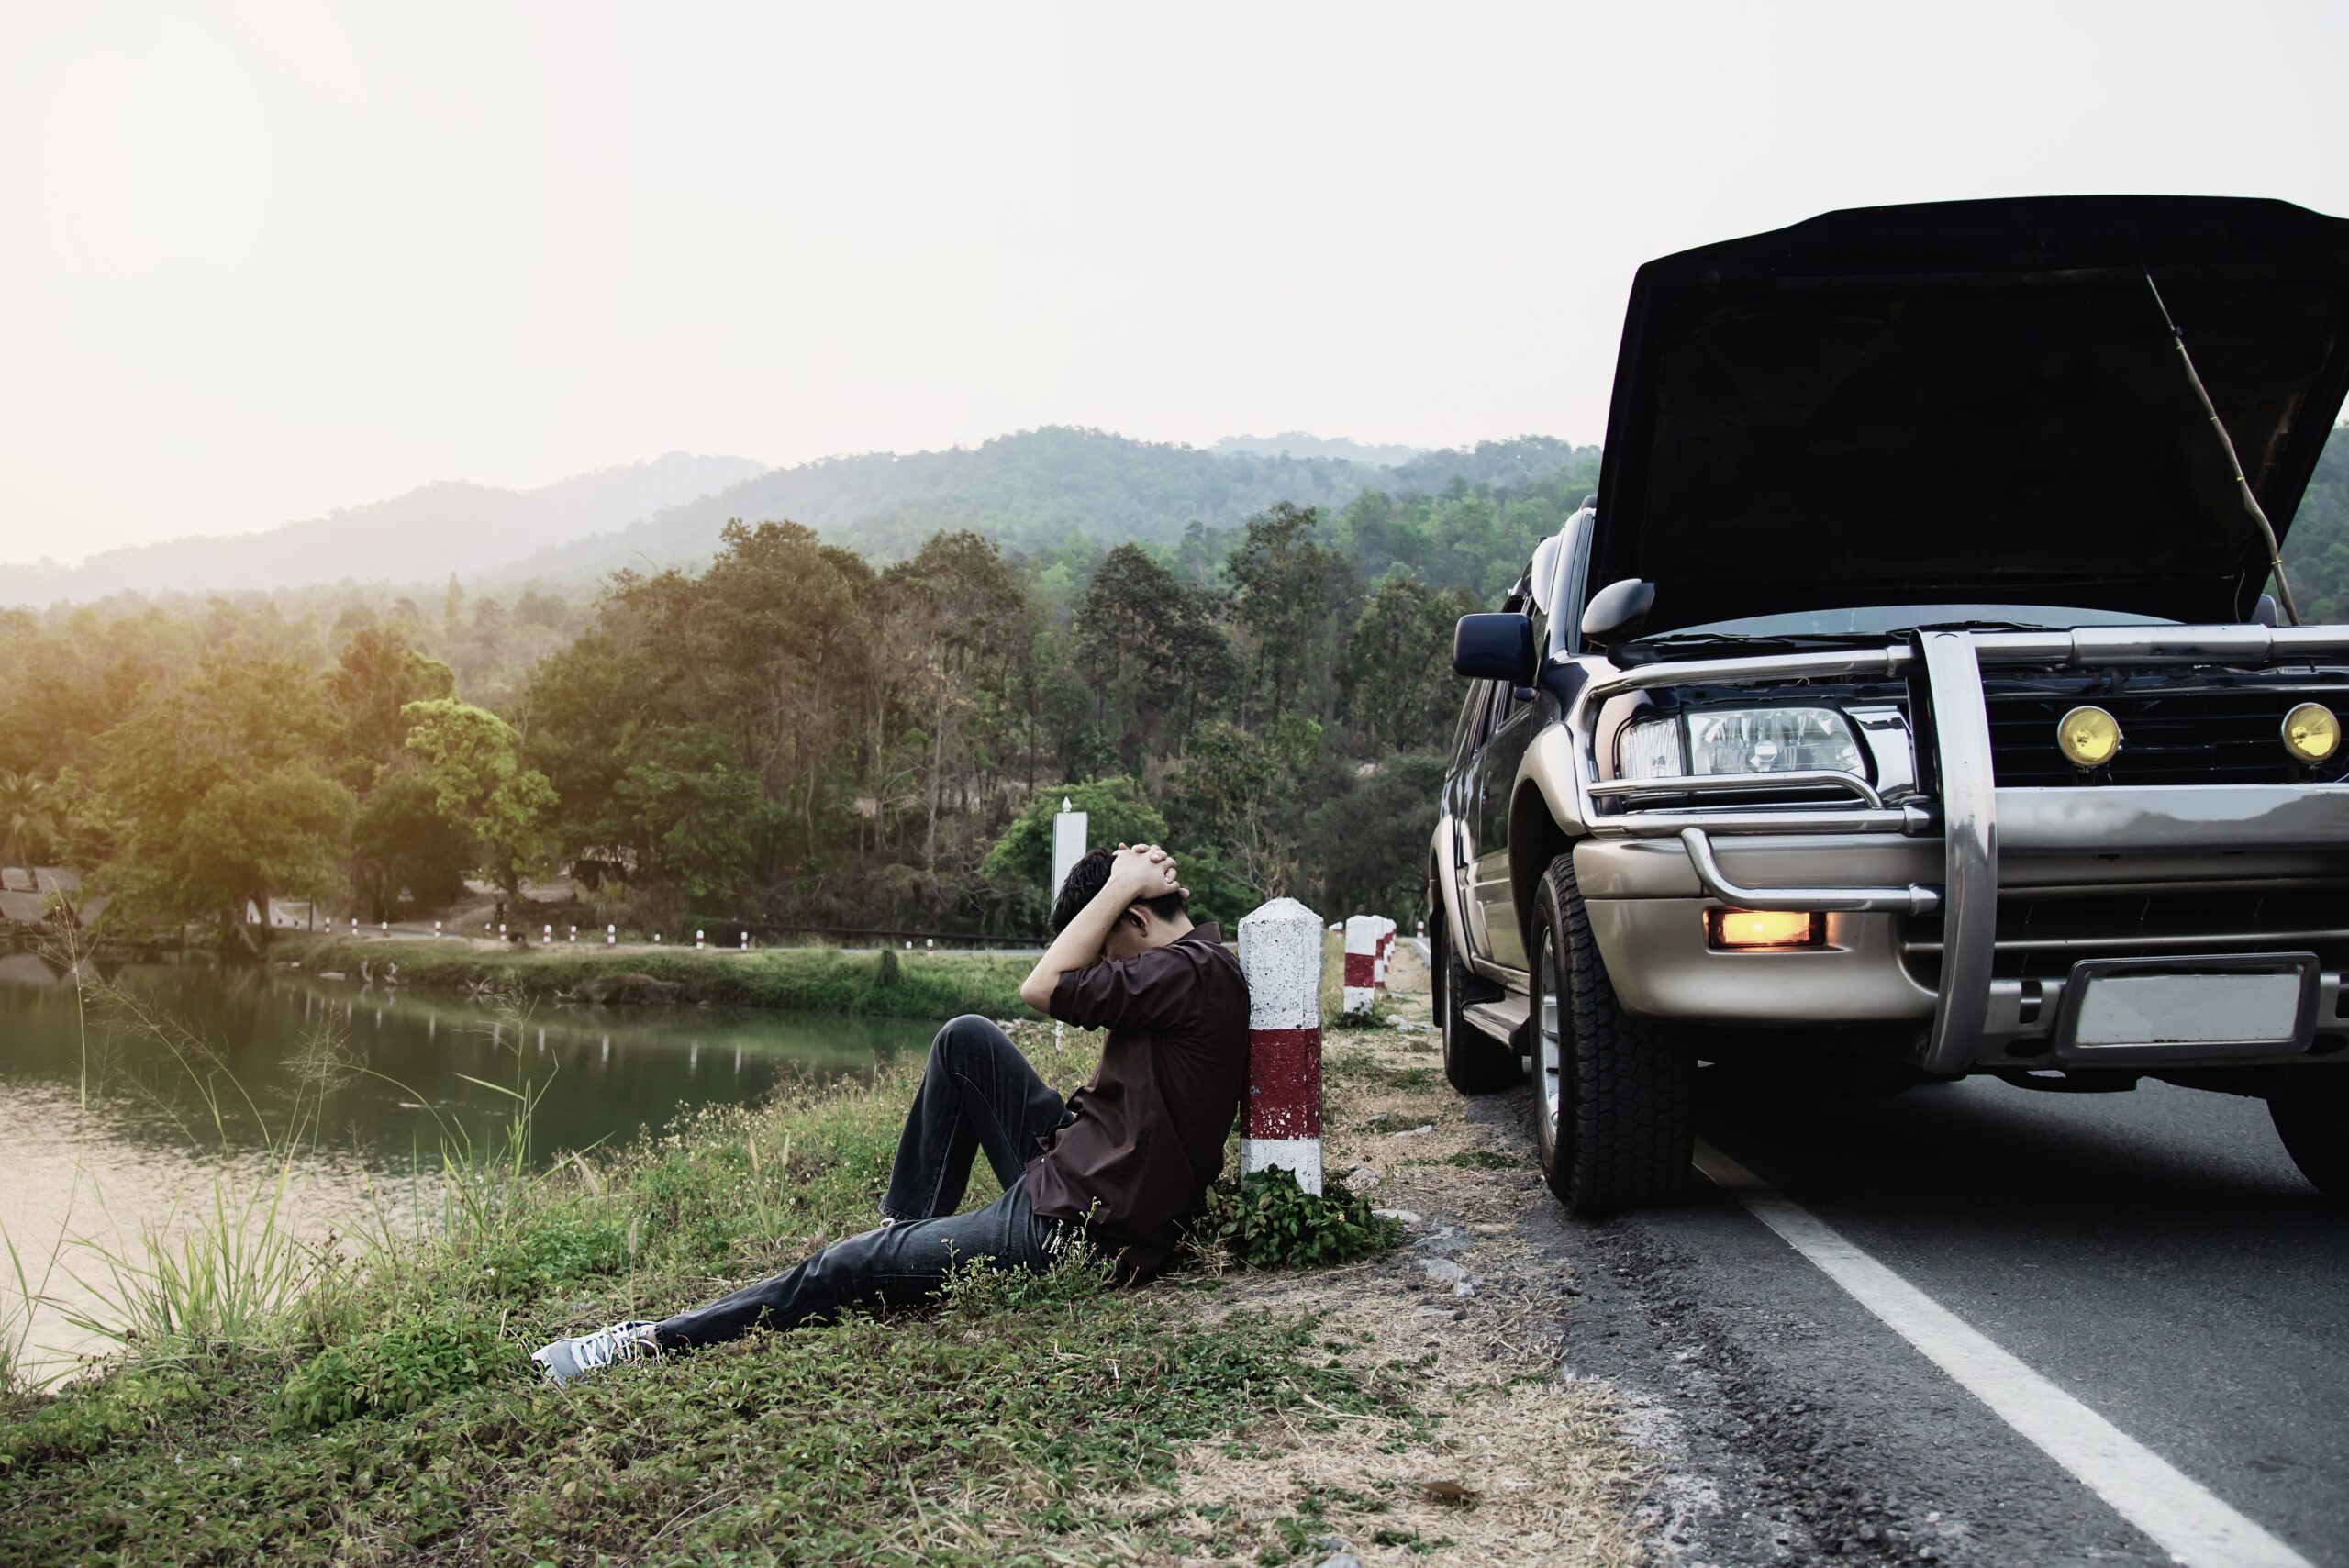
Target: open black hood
{"points": [[1972, 402]]}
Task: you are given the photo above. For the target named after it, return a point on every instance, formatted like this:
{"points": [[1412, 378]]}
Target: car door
{"points": [[1460, 808], [1511, 718], [1513, 715]]}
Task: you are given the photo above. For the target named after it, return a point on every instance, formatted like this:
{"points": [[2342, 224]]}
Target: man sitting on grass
{"points": [[1117, 1167]]}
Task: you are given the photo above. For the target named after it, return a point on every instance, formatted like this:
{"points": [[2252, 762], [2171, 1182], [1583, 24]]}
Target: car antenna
{"points": [[2234, 464]]}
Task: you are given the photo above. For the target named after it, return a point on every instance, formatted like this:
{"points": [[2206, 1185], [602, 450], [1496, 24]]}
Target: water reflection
{"points": [[399, 1067], [106, 1123]]}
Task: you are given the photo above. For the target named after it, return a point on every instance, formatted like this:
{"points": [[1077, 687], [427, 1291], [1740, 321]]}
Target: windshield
{"points": [[1870, 620]]}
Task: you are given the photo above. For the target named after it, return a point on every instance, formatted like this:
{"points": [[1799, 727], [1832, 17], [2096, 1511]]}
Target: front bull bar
{"points": [[1964, 813]]}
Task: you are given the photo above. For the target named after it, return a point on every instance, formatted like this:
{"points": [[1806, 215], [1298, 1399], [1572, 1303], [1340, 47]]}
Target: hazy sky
{"points": [[261, 260]]}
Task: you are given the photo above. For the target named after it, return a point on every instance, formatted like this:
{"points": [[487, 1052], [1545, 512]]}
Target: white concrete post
{"points": [[1280, 952], [746, 938], [384, 929], [546, 936], [574, 933], [611, 935], [1386, 945], [1068, 845], [436, 928], [1362, 962], [656, 938], [697, 941]]}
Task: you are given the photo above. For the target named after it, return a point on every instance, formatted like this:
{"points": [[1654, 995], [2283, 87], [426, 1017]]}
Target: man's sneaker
{"points": [[583, 1354]]}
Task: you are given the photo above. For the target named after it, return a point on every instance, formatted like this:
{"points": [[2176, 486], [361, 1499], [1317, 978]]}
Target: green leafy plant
{"points": [[1265, 1220], [403, 1366]]}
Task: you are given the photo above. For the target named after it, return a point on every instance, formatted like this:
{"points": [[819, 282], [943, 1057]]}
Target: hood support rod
{"points": [[2234, 464]]}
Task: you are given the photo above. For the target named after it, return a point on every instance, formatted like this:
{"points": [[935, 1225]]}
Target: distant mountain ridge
{"points": [[1299, 443], [1031, 491], [421, 536]]}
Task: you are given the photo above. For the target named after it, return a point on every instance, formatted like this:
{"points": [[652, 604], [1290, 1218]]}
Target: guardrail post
{"points": [[1280, 952], [1362, 962]]}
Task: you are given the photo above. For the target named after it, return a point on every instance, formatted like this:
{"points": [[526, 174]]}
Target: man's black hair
{"points": [[1088, 876]]}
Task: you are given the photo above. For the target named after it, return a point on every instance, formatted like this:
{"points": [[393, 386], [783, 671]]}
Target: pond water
{"points": [[112, 1126]]}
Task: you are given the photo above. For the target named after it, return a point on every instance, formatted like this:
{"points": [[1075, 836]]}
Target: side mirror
{"points": [[1617, 611], [1495, 648]]}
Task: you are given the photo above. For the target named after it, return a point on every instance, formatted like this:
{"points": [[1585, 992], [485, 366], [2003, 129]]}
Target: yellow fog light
{"points": [[2089, 736], [1764, 929], [2311, 733]]}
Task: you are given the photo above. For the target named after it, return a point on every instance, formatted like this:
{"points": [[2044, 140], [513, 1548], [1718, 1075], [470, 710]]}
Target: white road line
{"points": [[2180, 1514]]}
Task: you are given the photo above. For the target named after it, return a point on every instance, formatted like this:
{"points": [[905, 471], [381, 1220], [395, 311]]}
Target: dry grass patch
{"points": [[1498, 1460]]}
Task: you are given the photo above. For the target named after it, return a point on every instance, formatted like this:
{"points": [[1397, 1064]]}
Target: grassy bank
{"points": [[914, 984], [389, 1415]]}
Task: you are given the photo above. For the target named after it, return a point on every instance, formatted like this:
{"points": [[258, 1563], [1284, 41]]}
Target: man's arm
{"points": [[1140, 871]]}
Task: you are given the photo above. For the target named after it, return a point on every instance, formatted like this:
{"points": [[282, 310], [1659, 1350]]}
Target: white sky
{"points": [[261, 260]]}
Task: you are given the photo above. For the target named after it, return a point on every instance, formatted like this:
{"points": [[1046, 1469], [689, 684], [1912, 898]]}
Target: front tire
{"points": [[1611, 1093], [2314, 1126], [1473, 1061]]}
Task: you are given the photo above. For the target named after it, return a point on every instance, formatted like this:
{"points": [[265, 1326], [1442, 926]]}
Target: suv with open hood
{"points": [[1908, 697]]}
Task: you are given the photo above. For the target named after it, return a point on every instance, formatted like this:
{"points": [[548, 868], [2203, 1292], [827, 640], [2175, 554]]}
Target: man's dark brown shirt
{"points": [[1144, 1139]]}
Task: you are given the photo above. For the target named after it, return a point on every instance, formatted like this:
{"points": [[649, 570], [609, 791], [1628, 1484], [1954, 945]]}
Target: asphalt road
{"points": [[2153, 1254]]}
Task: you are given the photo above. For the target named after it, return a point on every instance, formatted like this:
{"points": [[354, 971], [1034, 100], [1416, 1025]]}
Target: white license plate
{"points": [[2171, 1008]]}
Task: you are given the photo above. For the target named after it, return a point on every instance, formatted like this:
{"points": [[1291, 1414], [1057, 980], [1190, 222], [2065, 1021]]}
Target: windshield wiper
{"points": [[1646, 649]]}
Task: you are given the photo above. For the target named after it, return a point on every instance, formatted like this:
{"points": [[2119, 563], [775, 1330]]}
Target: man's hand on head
{"points": [[1144, 871]]}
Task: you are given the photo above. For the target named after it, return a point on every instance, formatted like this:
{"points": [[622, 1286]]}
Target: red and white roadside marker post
{"points": [[1362, 962], [1280, 952], [1386, 945]]}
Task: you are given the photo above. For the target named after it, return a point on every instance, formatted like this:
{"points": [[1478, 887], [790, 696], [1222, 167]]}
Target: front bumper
{"points": [[1921, 894]]}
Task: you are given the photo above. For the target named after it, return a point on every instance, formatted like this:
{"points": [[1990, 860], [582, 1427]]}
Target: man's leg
{"points": [[977, 1092], [893, 1266]]}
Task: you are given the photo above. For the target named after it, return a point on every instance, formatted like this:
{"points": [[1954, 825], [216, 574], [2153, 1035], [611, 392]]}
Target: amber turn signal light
{"points": [[2311, 733], [1751, 928]]}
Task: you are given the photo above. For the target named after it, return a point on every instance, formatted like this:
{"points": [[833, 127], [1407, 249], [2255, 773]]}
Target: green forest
{"points": [[798, 735], [794, 735]]}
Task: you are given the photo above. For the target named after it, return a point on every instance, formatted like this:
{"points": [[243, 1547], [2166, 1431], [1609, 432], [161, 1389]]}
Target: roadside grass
{"points": [[822, 980], [387, 1412]]}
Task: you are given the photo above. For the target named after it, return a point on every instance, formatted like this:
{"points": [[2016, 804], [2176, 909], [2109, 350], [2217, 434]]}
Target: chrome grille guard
{"points": [[1964, 813]]}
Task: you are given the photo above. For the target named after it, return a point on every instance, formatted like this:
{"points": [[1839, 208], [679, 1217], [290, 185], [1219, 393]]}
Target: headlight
{"points": [[1739, 740]]}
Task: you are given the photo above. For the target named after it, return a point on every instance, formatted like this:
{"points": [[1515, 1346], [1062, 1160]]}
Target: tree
{"points": [[377, 677], [28, 819], [1291, 596], [1153, 649], [691, 814], [401, 840], [217, 797], [1241, 794], [1114, 812], [471, 760], [1398, 664]]}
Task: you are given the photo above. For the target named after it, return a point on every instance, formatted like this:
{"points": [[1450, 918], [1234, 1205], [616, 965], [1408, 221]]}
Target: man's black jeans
{"points": [[977, 1092]]}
